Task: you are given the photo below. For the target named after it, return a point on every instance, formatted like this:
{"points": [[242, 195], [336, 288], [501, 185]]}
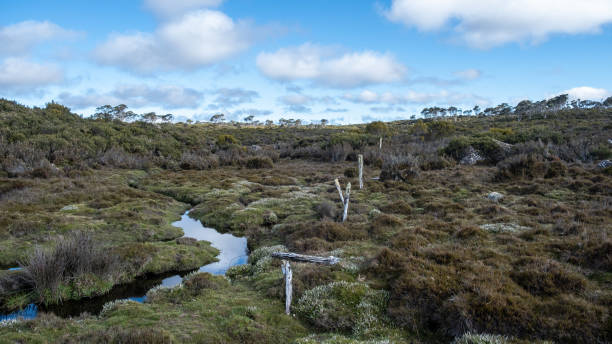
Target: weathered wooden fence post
{"points": [[344, 198], [380, 143], [339, 190], [346, 202], [360, 158], [288, 287]]}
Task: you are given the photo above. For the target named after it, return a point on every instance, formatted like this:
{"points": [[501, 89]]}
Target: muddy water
{"points": [[233, 251]]}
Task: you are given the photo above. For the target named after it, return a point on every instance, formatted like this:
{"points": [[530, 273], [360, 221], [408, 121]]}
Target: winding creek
{"points": [[233, 251]]}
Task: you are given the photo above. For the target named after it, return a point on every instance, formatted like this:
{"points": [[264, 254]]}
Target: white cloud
{"points": [[17, 74], [325, 66], [412, 97], [588, 93], [139, 95], [174, 7], [196, 39], [19, 38], [488, 23]]}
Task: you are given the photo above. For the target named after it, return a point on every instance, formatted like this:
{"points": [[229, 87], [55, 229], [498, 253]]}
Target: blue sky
{"points": [[346, 61]]}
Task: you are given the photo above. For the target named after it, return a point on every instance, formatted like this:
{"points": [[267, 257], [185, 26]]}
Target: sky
{"points": [[347, 61]]}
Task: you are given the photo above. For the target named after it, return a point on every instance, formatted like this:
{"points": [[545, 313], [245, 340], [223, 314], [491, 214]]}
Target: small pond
{"points": [[233, 251]]}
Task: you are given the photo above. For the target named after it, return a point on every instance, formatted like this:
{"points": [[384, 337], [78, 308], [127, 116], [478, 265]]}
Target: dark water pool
{"points": [[233, 251]]}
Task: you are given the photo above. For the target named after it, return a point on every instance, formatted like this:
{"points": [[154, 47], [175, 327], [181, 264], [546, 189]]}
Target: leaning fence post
{"points": [[346, 202], [360, 158], [286, 268], [339, 190]]}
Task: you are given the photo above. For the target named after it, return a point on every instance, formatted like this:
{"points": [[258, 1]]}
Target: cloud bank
{"points": [[196, 39], [323, 65], [485, 24]]}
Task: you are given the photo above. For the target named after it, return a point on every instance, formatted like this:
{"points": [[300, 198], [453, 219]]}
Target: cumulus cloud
{"points": [[196, 39], [587, 93], [21, 75], [484, 24], [174, 7], [166, 96], [324, 65], [19, 38]]}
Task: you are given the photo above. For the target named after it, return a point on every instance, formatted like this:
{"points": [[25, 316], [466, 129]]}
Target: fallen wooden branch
{"points": [[331, 260]]}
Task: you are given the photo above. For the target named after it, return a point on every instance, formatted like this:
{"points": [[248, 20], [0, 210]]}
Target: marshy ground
{"points": [[427, 255]]}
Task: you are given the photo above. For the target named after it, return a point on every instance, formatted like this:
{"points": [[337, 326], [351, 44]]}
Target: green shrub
{"points": [[350, 172], [377, 128], [226, 140], [344, 306], [259, 162], [198, 281]]}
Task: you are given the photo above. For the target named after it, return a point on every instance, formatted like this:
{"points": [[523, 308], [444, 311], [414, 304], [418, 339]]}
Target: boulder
{"points": [[605, 163], [495, 196], [472, 157]]}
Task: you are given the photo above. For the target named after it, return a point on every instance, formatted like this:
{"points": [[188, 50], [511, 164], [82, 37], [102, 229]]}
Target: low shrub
{"points": [[187, 241], [521, 166], [541, 276], [344, 306], [327, 209], [68, 260], [350, 172], [259, 162], [399, 167], [203, 280]]}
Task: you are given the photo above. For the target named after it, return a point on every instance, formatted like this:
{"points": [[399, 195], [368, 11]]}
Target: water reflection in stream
{"points": [[233, 251]]}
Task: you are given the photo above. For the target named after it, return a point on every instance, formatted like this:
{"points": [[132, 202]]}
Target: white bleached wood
{"points": [[331, 260], [339, 190], [380, 143], [360, 159], [286, 267], [346, 202]]}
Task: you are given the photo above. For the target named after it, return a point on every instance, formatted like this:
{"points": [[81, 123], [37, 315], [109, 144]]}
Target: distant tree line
{"points": [[524, 107]]}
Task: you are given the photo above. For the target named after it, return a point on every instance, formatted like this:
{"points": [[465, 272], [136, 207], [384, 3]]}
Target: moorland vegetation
{"points": [[492, 227]]}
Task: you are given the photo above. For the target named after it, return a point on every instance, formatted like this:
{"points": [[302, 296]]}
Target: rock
{"points": [[15, 167], [255, 148], [605, 163], [503, 228], [495, 196], [70, 207], [472, 157]]}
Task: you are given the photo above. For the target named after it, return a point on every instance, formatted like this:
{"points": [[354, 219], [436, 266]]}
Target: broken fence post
{"points": [[360, 159], [346, 202], [339, 190], [286, 268]]}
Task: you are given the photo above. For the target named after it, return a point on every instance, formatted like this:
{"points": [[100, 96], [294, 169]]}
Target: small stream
{"points": [[233, 251]]}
